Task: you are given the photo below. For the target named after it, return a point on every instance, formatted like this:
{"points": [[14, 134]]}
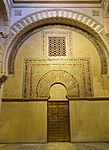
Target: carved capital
{"points": [[2, 79]]}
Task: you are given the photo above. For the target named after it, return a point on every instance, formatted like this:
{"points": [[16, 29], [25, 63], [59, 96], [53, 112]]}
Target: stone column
{"points": [[1, 93], [2, 80]]}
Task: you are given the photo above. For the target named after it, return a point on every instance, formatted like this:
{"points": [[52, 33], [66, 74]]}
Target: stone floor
{"points": [[56, 146]]}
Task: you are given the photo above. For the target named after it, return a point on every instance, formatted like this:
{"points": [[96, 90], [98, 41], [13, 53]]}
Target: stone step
{"points": [[56, 146]]}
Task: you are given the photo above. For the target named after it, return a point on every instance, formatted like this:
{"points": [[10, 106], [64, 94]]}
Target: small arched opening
{"points": [[58, 92]]}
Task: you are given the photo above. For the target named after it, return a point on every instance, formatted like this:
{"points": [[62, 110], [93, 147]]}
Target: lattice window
{"points": [[57, 46]]}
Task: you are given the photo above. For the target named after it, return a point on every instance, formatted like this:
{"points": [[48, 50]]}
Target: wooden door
{"points": [[58, 121]]}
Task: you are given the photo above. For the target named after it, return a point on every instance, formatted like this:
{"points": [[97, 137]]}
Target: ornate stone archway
{"points": [[46, 17], [53, 77]]}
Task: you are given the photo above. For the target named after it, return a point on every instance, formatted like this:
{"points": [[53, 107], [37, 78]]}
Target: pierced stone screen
{"points": [[57, 46]]}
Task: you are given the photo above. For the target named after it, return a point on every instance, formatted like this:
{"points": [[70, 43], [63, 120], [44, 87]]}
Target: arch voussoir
{"points": [[57, 76], [66, 17], [37, 16]]}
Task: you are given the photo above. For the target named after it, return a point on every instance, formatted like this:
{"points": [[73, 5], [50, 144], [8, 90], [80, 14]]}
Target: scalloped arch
{"points": [[46, 17]]}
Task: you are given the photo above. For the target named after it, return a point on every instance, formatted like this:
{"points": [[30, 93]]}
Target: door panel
{"points": [[58, 121]]}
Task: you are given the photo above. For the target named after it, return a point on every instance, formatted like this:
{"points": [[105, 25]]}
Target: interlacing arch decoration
{"points": [[59, 77], [55, 16]]}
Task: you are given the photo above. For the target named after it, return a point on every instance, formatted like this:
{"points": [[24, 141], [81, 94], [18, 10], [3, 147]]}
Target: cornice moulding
{"points": [[57, 3]]}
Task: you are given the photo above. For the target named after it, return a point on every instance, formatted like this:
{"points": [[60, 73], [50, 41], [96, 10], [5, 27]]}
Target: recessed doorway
{"points": [[58, 118]]}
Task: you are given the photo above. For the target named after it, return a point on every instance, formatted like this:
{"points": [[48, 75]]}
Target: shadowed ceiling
{"points": [[72, 1]]}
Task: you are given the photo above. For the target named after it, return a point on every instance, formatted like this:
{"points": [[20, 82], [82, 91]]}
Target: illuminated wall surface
{"points": [[55, 86], [52, 63], [37, 49]]}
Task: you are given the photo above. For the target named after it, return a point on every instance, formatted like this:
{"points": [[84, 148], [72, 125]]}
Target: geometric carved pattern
{"points": [[40, 75], [58, 16], [57, 76], [56, 42], [57, 46], [77, 16], [58, 121], [99, 45]]}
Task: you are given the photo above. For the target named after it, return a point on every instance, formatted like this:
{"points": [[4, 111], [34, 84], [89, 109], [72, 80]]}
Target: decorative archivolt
{"points": [[57, 76], [47, 17], [38, 16]]}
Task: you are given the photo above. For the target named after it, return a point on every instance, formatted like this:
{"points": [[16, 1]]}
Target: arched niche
{"points": [[57, 77], [64, 17], [58, 92]]}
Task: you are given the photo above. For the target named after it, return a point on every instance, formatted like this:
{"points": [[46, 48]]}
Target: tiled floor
{"points": [[56, 146]]}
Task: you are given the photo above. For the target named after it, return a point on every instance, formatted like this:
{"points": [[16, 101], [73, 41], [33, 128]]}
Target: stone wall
{"points": [[23, 122], [26, 121], [79, 67], [89, 121]]}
